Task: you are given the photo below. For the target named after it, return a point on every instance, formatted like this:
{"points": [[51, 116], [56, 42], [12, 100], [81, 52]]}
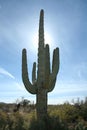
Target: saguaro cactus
{"points": [[44, 81]]}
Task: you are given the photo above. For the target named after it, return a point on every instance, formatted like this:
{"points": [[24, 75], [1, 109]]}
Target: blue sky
{"points": [[65, 27]]}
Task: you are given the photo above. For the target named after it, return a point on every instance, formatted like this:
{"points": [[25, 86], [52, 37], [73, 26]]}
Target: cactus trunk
{"points": [[44, 81], [41, 105]]}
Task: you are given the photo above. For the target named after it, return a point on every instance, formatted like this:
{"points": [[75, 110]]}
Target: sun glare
{"points": [[47, 39]]}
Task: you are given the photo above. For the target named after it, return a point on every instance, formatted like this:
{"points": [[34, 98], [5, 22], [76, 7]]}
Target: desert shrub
{"points": [[11, 121], [3, 120], [65, 112], [83, 112], [48, 123], [16, 122], [70, 113], [85, 128], [80, 126]]}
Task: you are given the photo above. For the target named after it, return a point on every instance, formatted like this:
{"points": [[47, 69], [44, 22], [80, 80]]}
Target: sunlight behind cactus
{"points": [[44, 81]]}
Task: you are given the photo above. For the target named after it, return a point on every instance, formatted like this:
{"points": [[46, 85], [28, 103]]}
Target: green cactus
{"points": [[44, 81]]}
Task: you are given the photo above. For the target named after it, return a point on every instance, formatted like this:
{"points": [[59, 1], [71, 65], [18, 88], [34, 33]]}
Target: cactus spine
{"points": [[45, 80]]}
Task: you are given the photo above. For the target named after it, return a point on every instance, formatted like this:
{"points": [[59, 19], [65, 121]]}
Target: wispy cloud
{"points": [[20, 86], [5, 72]]}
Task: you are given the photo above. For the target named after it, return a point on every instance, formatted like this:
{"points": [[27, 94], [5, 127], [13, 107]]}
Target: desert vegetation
{"points": [[60, 117]]}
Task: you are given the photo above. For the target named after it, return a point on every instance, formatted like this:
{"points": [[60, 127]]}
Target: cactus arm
{"points": [[34, 73], [55, 64], [55, 69], [52, 82], [31, 88]]}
